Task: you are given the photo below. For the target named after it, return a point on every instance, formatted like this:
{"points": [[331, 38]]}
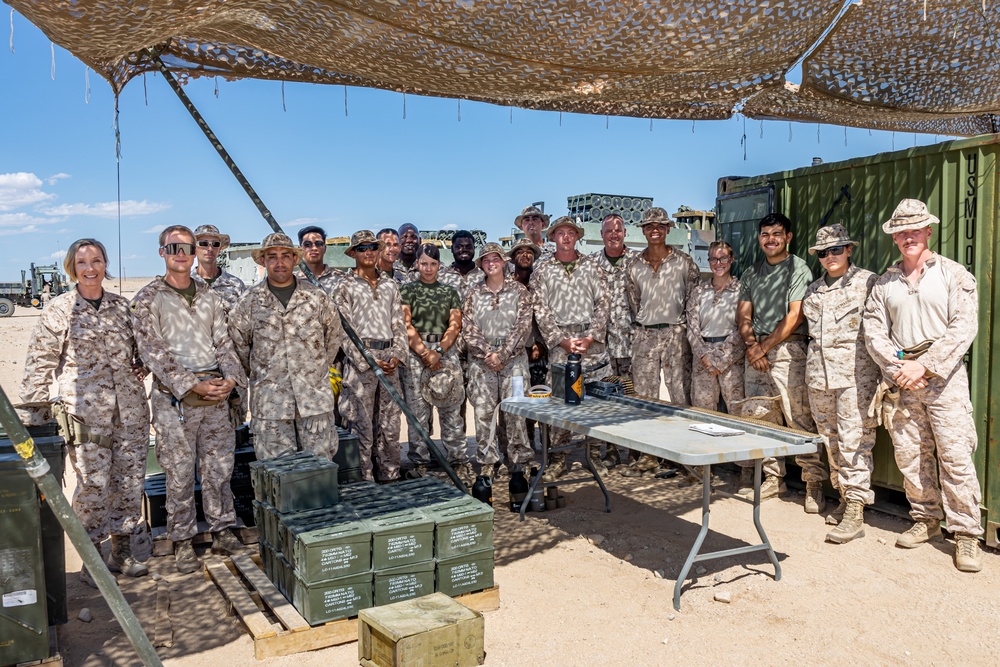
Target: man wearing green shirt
{"points": [[773, 327]]}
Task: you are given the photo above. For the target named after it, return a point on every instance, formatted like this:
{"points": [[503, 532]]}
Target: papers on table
{"points": [[715, 429]]}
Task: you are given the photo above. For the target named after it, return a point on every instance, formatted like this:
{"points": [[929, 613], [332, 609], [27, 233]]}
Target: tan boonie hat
{"points": [[363, 237], [274, 241], [212, 230], [522, 244], [530, 210], [443, 388], [910, 214], [830, 237], [656, 214], [764, 408], [564, 221], [490, 247]]}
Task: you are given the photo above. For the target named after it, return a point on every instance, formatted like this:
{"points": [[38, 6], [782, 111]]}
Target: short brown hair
{"points": [[175, 228], [721, 244], [69, 261]]}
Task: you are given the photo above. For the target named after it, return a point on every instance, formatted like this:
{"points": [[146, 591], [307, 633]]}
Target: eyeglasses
{"points": [[178, 248], [719, 260], [835, 250], [313, 244], [209, 244], [366, 247]]}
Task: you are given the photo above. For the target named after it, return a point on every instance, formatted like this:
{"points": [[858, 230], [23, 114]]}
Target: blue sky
{"points": [[312, 165]]}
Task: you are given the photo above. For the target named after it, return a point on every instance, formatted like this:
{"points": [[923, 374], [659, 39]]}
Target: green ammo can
{"points": [[310, 485], [333, 551], [466, 573], [334, 599], [401, 538], [462, 527], [404, 583]]}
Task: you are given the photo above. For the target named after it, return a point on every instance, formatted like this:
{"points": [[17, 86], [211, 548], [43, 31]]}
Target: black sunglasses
{"points": [[210, 244], [365, 247], [313, 244], [178, 248], [835, 250]]}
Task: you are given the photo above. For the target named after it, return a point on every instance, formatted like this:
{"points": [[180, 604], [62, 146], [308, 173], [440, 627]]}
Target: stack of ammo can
{"points": [[377, 545]]}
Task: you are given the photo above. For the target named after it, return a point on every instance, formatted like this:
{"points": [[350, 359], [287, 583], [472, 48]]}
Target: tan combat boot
{"points": [[852, 524], [121, 560], [611, 458], [594, 457], [815, 500], [746, 482], [968, 555], [187, 561], [837, 515], [645, 464], [555, 468], [923, 530], [224, 543], [772, 487]]}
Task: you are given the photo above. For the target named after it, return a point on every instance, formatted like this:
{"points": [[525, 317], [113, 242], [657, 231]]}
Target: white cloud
{"points": [[155, 229], [55, 178], [23, 220], [20, 189], [22, 230], [302, 222], [57, 255], [108, 209], [451, 226]]}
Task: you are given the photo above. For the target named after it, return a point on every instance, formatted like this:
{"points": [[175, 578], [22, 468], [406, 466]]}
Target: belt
{"points": [[794, 338], [905, 355], [714, 339], [580, 327], [375, 344], [662, 325], [431, 338]]}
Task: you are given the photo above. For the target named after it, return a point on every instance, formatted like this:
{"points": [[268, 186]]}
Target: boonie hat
{"points": [[274, 241], [564, 221], [489, 248], [910, 214], [522, 244], [831, 236], [656, 214], [765, 408], [212, 230], [443, 388], [364, 237], [530, 210]]}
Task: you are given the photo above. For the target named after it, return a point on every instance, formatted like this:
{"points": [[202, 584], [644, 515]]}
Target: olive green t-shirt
{"points": [[430, 305], [188, 292], [771, 288]]}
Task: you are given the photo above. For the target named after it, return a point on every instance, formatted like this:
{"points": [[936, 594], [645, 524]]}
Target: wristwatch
{"points": [[437, 348]]}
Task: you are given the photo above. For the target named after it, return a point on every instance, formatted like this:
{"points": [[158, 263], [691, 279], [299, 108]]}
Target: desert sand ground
{"points": [[568, 601]]}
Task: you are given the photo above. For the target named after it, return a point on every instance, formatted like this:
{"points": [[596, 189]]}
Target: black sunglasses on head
{"points": [[178, 248], [210, 244], [835, 250]]}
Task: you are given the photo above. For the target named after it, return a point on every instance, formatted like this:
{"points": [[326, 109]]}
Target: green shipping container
{"points": [[959, 182], [464, 574], [401, 538], [404, 583], [330, 600]]}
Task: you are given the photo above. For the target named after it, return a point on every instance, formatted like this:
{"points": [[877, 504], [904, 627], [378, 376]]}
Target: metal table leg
{"points": [[757, 465], [706, 498]]}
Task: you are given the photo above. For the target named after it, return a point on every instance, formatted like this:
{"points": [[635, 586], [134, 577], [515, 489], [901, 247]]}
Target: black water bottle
{"points": [[518, 488], [574, 380], [482, 490]]}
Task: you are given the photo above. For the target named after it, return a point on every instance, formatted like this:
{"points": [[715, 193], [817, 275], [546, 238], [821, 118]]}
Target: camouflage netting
{"points": [[881, 66]]}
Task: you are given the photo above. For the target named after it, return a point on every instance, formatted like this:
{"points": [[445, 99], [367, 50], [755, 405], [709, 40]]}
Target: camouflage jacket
{"points": [[162, 319], [704, 296], [403, 275], [620, 325], [228, 286], [499, 322], [660, 296], [287, 352], [89, 354], [562, 299], [396, 274], [375, 313], [945, 354], [329, 280], [450, 276], [837, 357]]}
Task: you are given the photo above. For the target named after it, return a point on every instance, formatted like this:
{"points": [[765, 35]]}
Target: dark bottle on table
{"points": [[482, 490], [574, 380], [518, 488]]}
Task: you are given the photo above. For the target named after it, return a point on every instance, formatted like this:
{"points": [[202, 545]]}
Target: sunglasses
{"points": [[178, 248], [313, 244], [209, 244], [366, 247], [835, 250]]}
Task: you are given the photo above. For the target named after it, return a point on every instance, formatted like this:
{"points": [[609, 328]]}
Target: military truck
{"points": [[35, 283]]}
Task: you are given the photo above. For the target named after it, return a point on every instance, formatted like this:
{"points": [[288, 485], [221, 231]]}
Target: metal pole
{"points": [[266, 213], [38, 469]]}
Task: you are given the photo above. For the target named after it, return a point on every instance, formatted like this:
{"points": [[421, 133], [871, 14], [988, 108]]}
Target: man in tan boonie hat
{"points": [[443, 388], [831, 236], [526, 244], [564, 221], [205, 231], [656, 214], [530, 212], [364, 237], [910, 214], [208, 245], [276, 240], [493, 247]]}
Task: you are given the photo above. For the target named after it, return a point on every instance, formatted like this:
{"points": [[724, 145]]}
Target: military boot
{"points": [[594, 457], [837, 515], [555, 468], [968, 555], [187, 561], [772, 487], [611, 457], [922, 530], [852, 524], [224, 543], [645, 464], [815, 500], [86, 577], [746, 482], [121, 560]]}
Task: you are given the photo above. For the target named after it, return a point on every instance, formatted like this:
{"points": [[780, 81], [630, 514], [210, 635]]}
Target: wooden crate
{"points": [[163, 546], [252, 596]]}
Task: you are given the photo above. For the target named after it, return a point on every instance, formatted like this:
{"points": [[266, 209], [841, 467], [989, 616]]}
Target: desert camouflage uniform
{"points": [[452, 277], [376, 314], [396, 274], [227, 286], [403, 275], [726, 355], [89, 354], [329, 280], [206, 435], [570, 305], [620, 325], [659, 297], [287, 352], [842, 379], [498, 323], [933, 432]]}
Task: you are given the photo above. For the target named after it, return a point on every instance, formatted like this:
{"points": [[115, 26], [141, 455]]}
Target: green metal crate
{"points": [[466, 573], [404, 583], [331, 600], [401, 538], [333, 551]]}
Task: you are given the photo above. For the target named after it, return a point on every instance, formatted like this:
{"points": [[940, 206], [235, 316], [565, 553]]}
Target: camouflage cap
{"points": [[212, 230], [528, 244], [831, 236], [363, 237], [910, 214], [530, 210], [275, 241], [564, 221], [443, 388], [489, 248], [656, 214], [764, 408]]}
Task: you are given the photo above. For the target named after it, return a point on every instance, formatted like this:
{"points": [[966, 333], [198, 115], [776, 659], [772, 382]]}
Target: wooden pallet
{"points": [[163, 546], [252, 596]]}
